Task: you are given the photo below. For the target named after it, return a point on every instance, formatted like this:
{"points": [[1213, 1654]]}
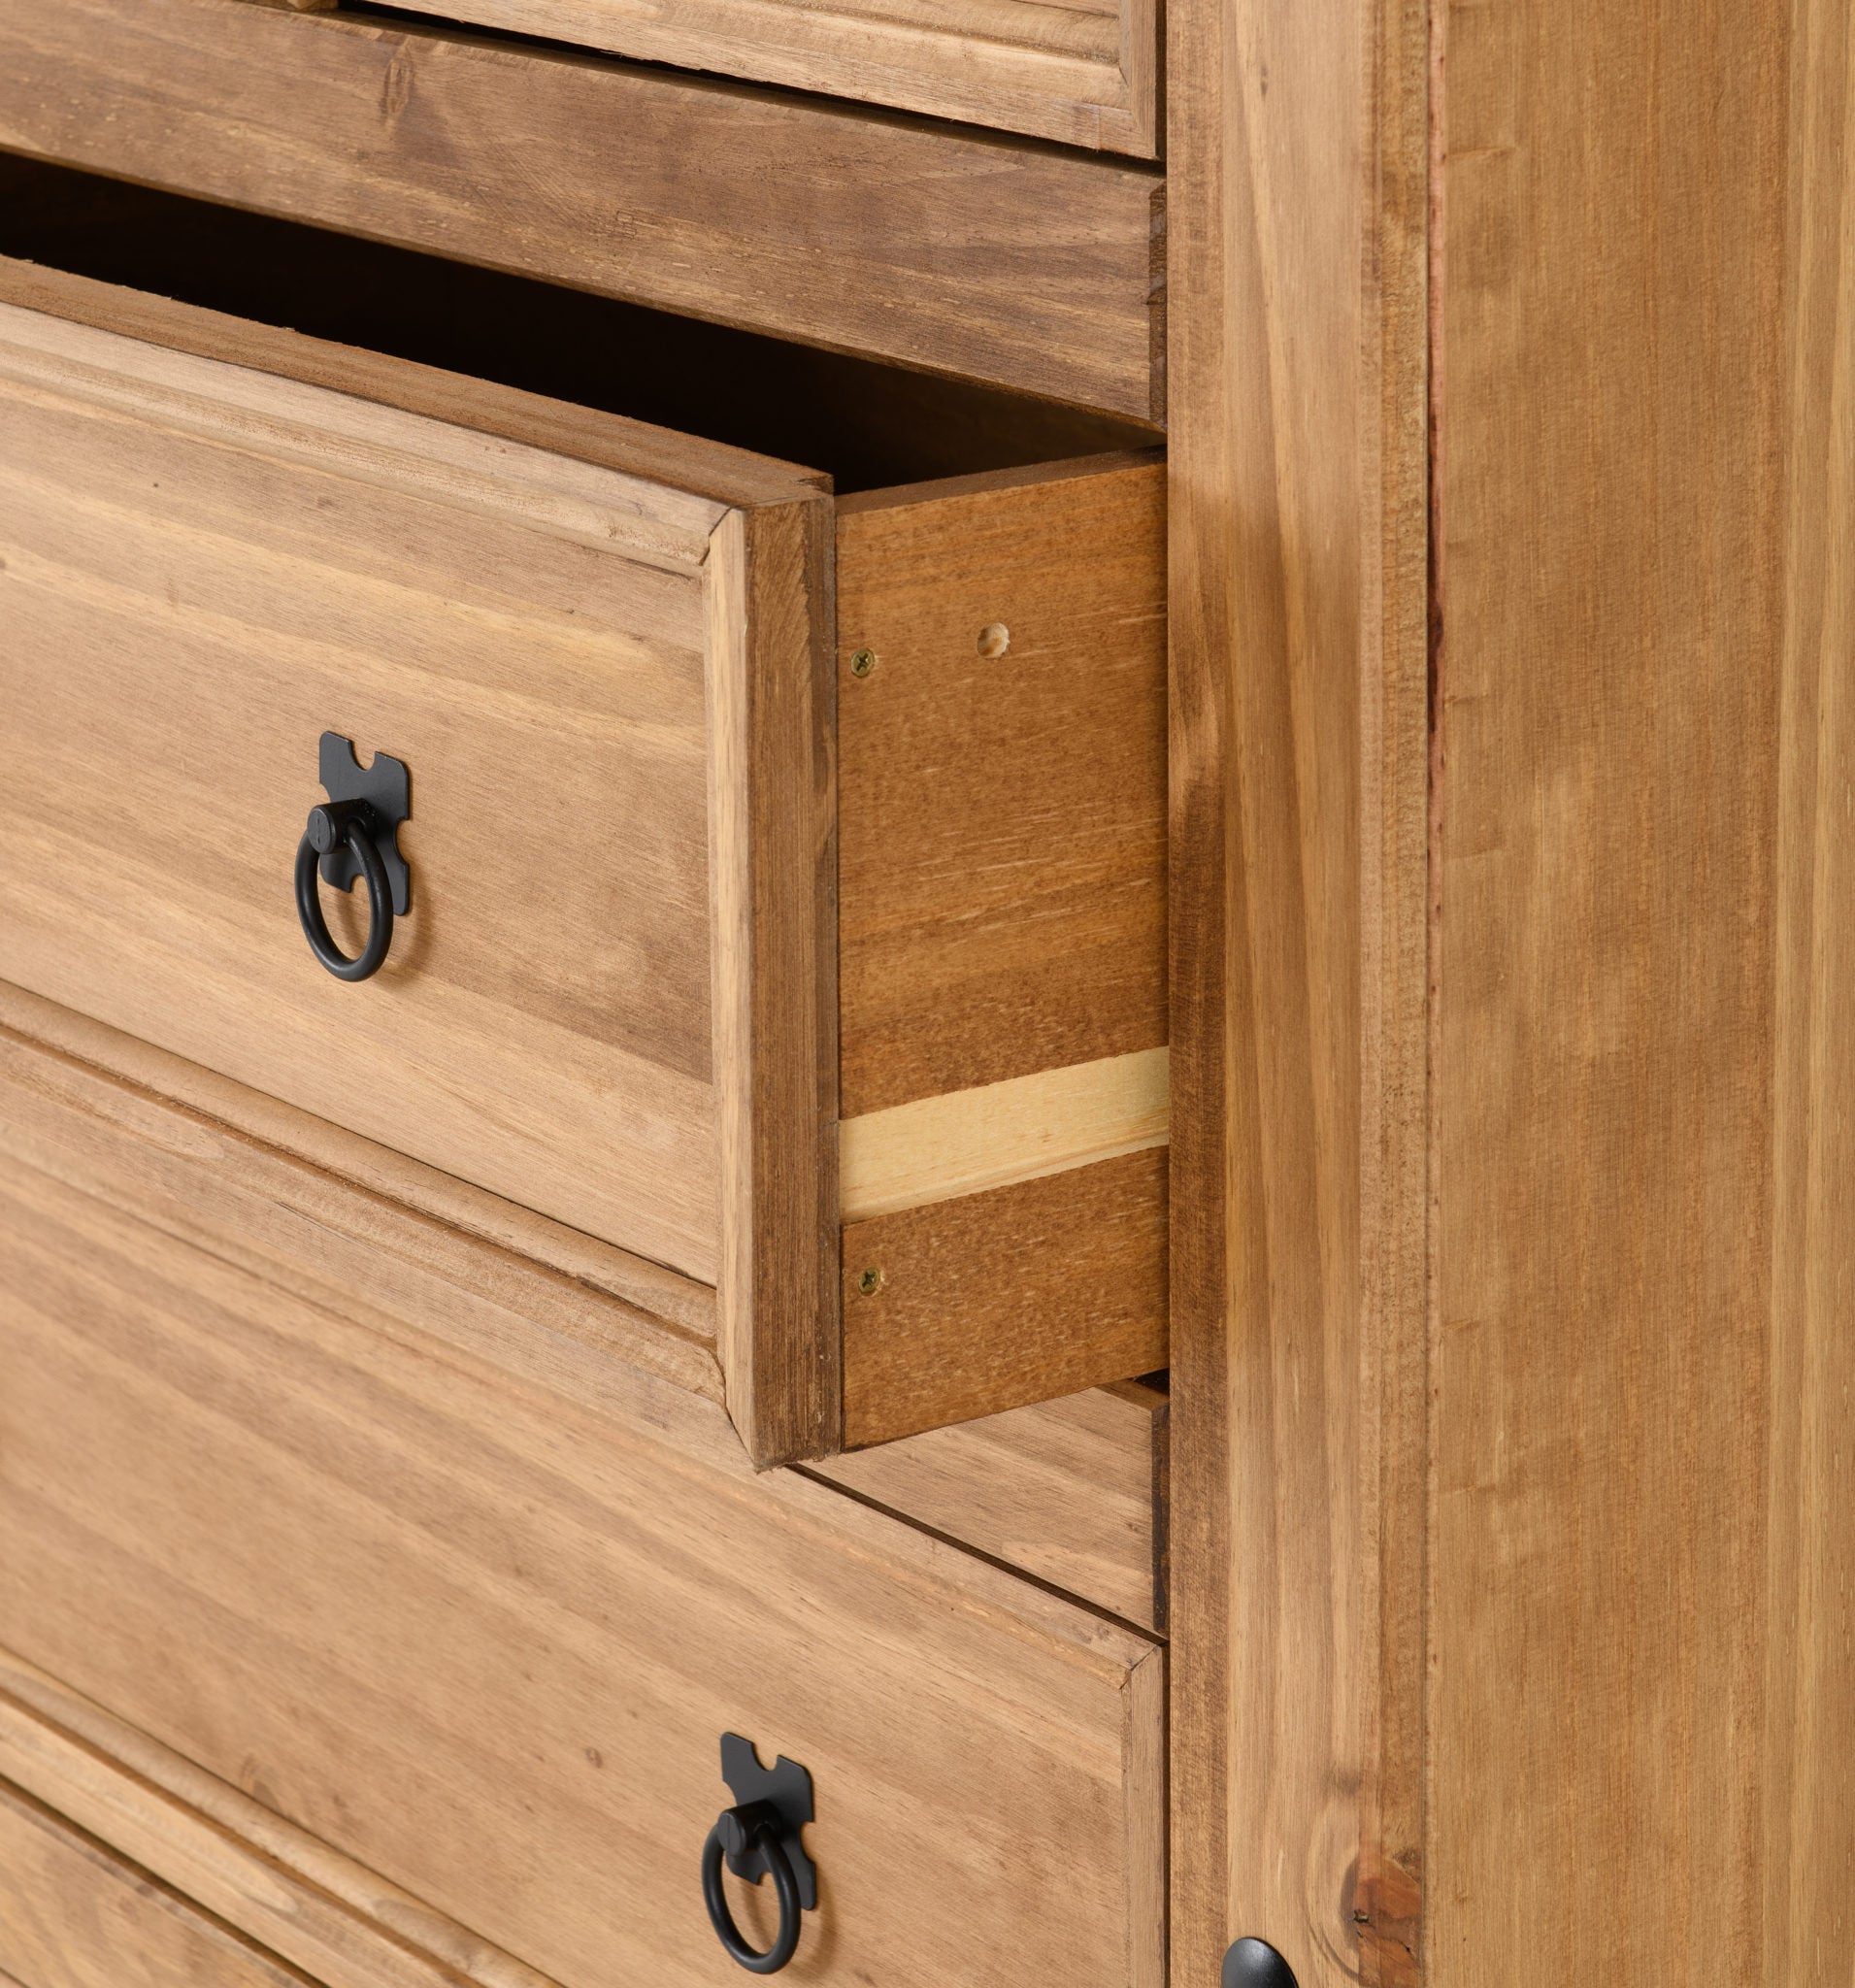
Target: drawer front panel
{"points": [[487, 1642], [73, 1914], [1085, 76], [204, 570]]}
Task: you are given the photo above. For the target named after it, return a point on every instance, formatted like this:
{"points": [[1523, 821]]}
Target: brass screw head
{"points": [[870, 1282], [862, 661]]}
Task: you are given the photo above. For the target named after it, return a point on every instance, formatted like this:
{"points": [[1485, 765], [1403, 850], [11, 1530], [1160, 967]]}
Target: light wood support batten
{"points": [[1022, 1129]]}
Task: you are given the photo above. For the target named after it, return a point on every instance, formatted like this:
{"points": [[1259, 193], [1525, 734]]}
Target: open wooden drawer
{"points": [[786, 870]]}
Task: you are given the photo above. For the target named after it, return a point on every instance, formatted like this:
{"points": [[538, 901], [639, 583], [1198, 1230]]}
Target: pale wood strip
{"points": [[1067, 1490], [214, 1844], [1808, 1794], [75, 1916], [1022, 1129], [1027, 1292], [343, 435], [954, 251]]}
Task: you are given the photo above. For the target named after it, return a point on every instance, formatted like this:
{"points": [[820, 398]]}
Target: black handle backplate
{"points": [[386, 787], [785, 1787]]}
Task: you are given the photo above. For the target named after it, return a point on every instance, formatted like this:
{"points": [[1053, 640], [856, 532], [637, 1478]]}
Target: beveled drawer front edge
{"points": [[148, 1131], [773, 872], [961, 253], [220, 1849]]}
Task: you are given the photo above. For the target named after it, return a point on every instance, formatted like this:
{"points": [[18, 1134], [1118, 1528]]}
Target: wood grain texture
{"points": [[1002, 912], [966, 254], [1020, 1128], [192, 1169], [999, 1299], [1642, 1685], [227, 1854], [1069, 1491], [773, 843], [1297, 198], [75, 1916], [171, 528], [482, 1641], [1808, 1818], [1083, 74]]}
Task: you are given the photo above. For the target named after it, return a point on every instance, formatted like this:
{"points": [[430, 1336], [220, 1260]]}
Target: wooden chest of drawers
{"points": [[1092, 1225]]}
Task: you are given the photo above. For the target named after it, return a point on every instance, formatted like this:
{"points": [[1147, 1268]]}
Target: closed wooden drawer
{"points": [[74, 1914], [123, 1865], [1084, 76], [737, 812], [484, 1641]]}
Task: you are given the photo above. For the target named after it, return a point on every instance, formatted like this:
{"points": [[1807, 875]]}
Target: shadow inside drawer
{"points": [[867, 424]]}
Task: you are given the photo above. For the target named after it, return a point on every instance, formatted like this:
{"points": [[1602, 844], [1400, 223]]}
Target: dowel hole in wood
{"points": [[994, 639]]}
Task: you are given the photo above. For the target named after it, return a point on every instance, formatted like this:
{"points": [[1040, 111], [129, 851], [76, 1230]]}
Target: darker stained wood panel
{"points": [[1004, 912], [989, 258], [981, 1298]]}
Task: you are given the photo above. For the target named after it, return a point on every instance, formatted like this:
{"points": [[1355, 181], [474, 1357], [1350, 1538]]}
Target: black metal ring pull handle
{"points": [[740, 1832], [354, 833], [344, 825]]}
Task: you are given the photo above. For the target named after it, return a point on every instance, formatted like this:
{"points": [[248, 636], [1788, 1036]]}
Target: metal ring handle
{"points": [[786, 1942], [380, 897]]}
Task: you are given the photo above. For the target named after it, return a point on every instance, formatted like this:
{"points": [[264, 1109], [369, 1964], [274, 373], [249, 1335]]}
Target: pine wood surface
{"points": [[961, 253], [291, 1198], [73, 1915], [224, 565], [1296, 149], [1082, 75], [228, 1854], [1026, 1292], [484, 1641], [1004, 908], [1643, 1690], [1072, 1491], [772, 852], [276, 557]]}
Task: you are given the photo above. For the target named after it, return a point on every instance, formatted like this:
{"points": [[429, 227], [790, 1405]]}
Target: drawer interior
{"points": [[866, 423]]}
